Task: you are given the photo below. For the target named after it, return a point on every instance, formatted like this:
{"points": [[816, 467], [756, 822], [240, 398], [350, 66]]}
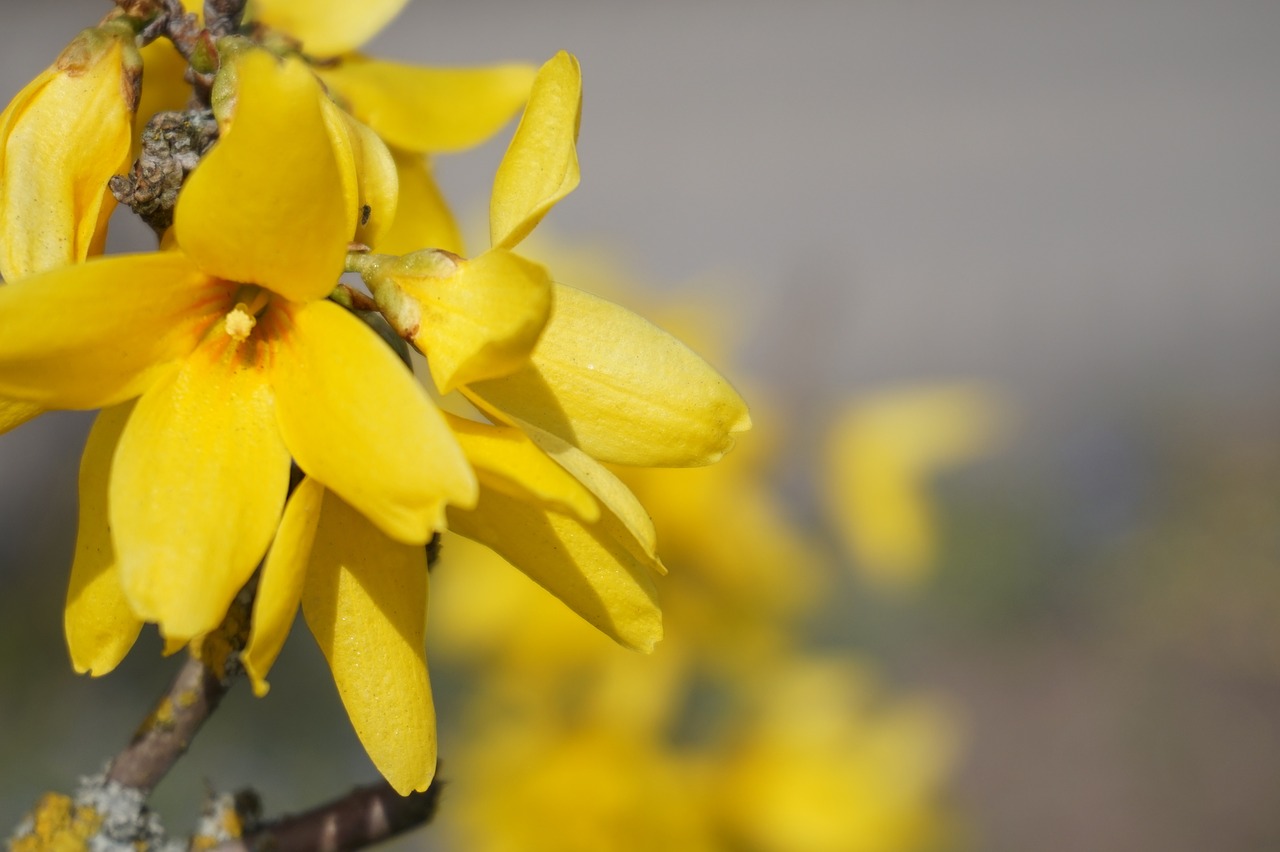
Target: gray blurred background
{"points": [[1078, 202]]}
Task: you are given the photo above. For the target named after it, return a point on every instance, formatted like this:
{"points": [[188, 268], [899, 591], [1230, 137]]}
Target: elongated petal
{"points": [[508, 462], [607, 488], [423, 219], [326, 27], [280, 587], [587, 566], [429, 110], [365, 601], [100, 625], [369, 177], [266, 205], [620, 388], [355, 419], [482, 320], [541, 165], [15, 412], [61, 139], [197, 489], [91, 334]]}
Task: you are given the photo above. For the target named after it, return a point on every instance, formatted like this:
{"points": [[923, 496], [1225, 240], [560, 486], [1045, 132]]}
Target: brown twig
{"points": [[363, 817], [211, 667]]}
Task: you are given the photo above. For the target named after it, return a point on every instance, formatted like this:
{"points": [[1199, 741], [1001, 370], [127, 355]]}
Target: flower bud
{"points": [[61, 139]]}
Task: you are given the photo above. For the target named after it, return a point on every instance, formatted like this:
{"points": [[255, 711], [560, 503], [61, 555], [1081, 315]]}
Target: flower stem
{"points": [[211, 667]]}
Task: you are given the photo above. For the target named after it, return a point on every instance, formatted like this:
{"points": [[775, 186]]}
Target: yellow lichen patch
{"points": [[58, 824]]}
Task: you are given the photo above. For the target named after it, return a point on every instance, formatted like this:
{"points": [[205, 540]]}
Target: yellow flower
{"points": [[240, 364], [881, 452], [61, 139], [417, 111]]}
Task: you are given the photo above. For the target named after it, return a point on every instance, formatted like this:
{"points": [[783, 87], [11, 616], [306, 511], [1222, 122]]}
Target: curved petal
{"points": [[541, 165], [197, 489], [429, 110], [623, 390], [326, 27], [265, 206], [280, 586], [92, 334], [356, 420], [15, 412], [508, 462], [99, 624], [607, 488], [369, 177], [63, 137], [587, 566], [423, 219], [481, 321], [365, 601]]}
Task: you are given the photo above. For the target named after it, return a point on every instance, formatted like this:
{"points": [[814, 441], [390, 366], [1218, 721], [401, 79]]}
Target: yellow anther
{"points": [[240, 322]]}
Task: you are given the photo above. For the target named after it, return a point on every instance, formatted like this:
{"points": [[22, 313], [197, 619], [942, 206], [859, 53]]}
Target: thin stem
{"points": [[211, 668], [365, 816]]}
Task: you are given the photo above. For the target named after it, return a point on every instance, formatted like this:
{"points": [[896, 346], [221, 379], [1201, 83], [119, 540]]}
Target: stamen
{"points": [[240, 322]]}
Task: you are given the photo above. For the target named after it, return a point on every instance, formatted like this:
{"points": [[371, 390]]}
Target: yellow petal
{"points": [[92, 334], [423, 219], [369, 177], [429, 110], [266, 206], [620, 388], [326, 27], [99, 624], [355, 419], [365, 601], [587, 566], [15, 412], [508, 462], [61, 138], [608, 489], [197, 489], [541, 164], [280, 586], [480, 321]]}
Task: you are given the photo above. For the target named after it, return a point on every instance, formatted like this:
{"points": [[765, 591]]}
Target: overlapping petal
{"points": [[423, 219], [326, 27], [589, 567], [280, 587], [541, 164], [429, 110], [482, 319], [355, 419], [613, 384], [506, 460], [61, 138], [266, 205], [365, 600], [93, 334], [197, 489], [369, 175], [100, 625]]}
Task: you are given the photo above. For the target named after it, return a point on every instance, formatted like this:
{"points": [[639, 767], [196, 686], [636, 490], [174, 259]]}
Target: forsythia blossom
{"points": [[252, 421]]}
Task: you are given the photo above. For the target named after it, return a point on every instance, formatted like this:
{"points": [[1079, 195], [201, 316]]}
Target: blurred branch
{"points": [[208, 673], [365, 816]]}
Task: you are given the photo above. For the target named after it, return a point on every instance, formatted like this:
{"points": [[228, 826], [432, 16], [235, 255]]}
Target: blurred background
{"points": [[997, 569]]}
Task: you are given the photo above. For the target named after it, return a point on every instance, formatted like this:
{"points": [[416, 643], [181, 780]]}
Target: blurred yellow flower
{"points": [[881, 451]]}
